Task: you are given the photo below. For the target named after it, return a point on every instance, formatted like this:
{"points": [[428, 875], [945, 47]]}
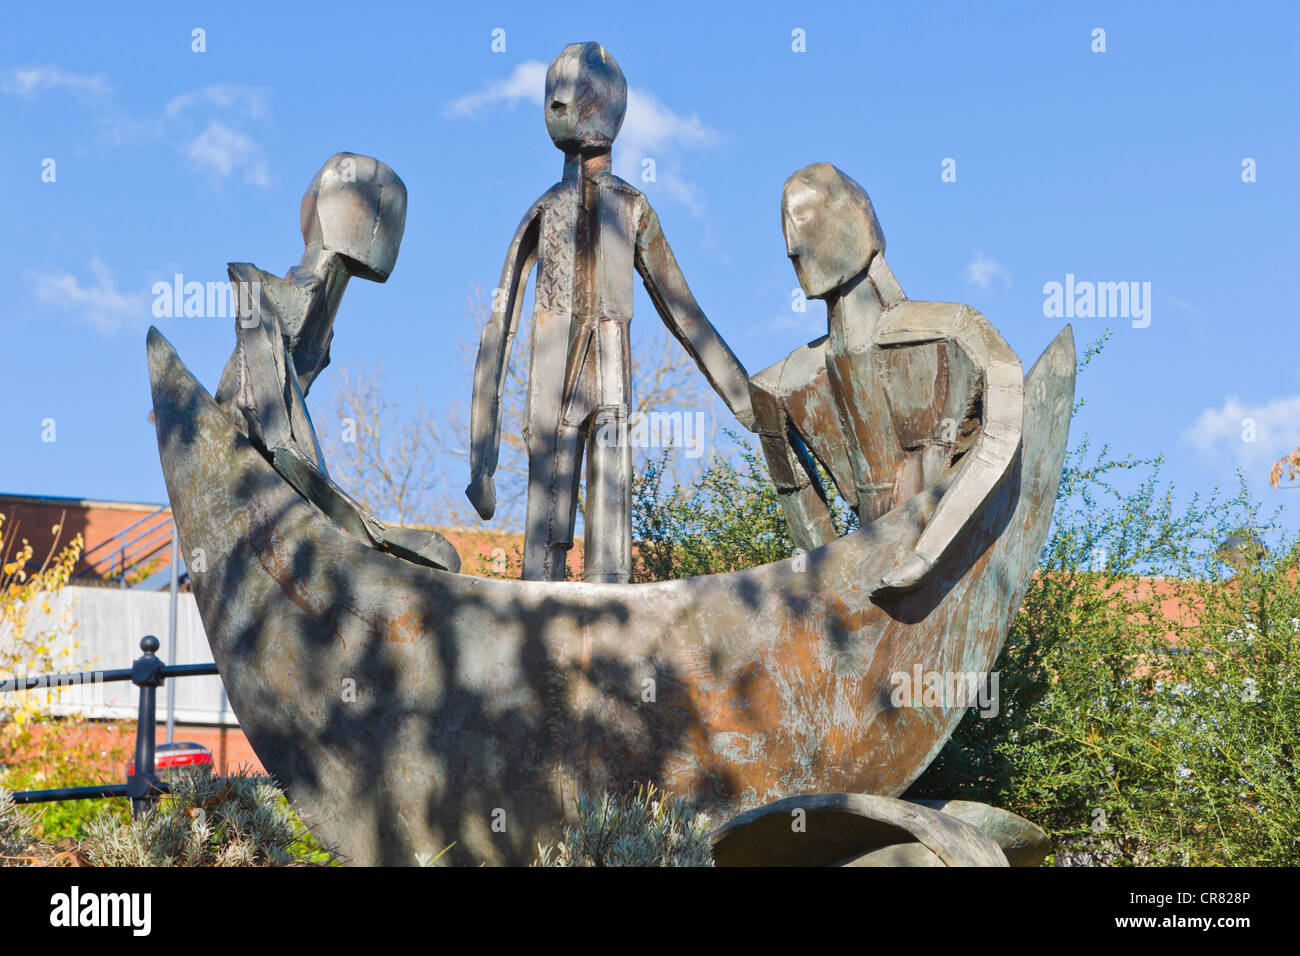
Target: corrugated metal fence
{"points": [[109, 623]]}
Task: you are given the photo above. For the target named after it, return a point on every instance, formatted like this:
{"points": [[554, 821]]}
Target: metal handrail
{"points": [[120, 555], [148, 673], [133, 525]]}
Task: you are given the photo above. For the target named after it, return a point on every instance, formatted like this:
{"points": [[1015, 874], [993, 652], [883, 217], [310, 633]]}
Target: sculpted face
{"points": [[356, 207], [831, 231], [586, 97]]}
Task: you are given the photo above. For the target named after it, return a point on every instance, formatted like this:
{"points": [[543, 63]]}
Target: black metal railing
{"points": [[142, 787]]}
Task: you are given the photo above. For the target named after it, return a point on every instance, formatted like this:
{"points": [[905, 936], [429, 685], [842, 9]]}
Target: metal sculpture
{"points": [[403, 706], [858, 829], [407, 708], [352, 216], [586, 235], [896, 394]]}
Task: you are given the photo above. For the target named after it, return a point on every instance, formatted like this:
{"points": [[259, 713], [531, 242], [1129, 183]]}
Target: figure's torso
{"points": [[909, 404], [586, 260]]}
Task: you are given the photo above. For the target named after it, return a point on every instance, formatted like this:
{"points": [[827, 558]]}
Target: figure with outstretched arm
{"points": [[352, 218], [919, 390], [586, 236]]}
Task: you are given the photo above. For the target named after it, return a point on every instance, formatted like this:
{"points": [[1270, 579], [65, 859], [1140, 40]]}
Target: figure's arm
{"points": [[677, 307], [493, 360], [803, 500], [310, 336], [990, 457]]}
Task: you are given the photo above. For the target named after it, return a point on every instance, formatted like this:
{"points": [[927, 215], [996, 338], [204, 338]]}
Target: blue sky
{"points": [[1116, 166]]}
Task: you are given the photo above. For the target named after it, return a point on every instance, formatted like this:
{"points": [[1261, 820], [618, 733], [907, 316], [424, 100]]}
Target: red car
{"points": [[183, 753]]}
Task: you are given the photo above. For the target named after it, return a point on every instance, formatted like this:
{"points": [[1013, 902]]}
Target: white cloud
{"points": [[527, 82], [653, 131], [984, 270], [650, 130], [243, 100], [1182, 305], [1221, 434], [211, 124], [28, 82], [221, 150], [102, 304]]}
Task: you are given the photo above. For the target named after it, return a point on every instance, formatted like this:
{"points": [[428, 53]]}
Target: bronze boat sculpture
{"points": [[406, 707]]}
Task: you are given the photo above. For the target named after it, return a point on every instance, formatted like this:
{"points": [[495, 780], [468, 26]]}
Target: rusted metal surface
{"points": [[407, 708], [854, 829]]}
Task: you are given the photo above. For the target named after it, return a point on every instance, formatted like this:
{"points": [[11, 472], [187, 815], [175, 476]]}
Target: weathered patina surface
{"points": [[827, 829], [894, 398], [406, 708], [857, 830]]}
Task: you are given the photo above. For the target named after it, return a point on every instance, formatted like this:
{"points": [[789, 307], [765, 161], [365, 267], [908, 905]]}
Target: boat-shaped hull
{"points": [[406, 708]]}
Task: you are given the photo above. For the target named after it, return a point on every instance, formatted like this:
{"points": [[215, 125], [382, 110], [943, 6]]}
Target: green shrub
{"points": [[645, 828], [208, 820], [728, 518], [1150, 687], [17, 830]]}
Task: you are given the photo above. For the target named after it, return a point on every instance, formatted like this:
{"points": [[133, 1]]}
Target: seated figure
{"points": [[895, 396], [352, 216]]}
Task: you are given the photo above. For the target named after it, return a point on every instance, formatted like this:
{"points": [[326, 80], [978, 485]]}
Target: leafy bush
{"points": [[645, 828], [26, 648], [17, 830], [1149, 689], [39, 750], [208, 820], [726, 519], [1150, 685]]}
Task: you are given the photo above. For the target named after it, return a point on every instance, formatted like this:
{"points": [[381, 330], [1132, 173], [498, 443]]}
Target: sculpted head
{"points": [[831, 231], [586, 97], [356, 207]]}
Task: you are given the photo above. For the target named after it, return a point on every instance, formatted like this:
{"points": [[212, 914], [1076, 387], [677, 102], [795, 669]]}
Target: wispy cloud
{"points": [[527, 82], [221, 151], [651, 130], [212, 126], [984, 270], [215, 124], [1182, 305], [30, 82], [248, 101], [1225, 434], [100, 303]]}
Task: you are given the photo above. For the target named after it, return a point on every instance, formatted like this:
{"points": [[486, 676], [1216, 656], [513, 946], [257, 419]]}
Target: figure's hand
{"points": [[907, 574], [482, 494], [745, 415]]}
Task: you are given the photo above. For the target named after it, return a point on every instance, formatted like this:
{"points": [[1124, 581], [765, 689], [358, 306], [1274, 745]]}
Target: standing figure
{"points": [[352, 217], [587, 235], [896, 396]]}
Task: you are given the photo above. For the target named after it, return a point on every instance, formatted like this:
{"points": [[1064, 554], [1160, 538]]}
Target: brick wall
{"points": [[35, 517]]}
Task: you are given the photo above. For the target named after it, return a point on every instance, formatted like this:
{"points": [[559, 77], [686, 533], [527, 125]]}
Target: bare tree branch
{"points": [[391, 464]]}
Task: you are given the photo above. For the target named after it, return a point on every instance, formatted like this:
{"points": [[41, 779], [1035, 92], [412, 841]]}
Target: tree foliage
{"points": [[39, 749], [1150, 685], [1149, 690]]}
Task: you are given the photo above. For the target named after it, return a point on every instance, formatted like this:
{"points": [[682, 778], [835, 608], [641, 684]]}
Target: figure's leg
{"points": [[551, 470], [608, 515]]}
